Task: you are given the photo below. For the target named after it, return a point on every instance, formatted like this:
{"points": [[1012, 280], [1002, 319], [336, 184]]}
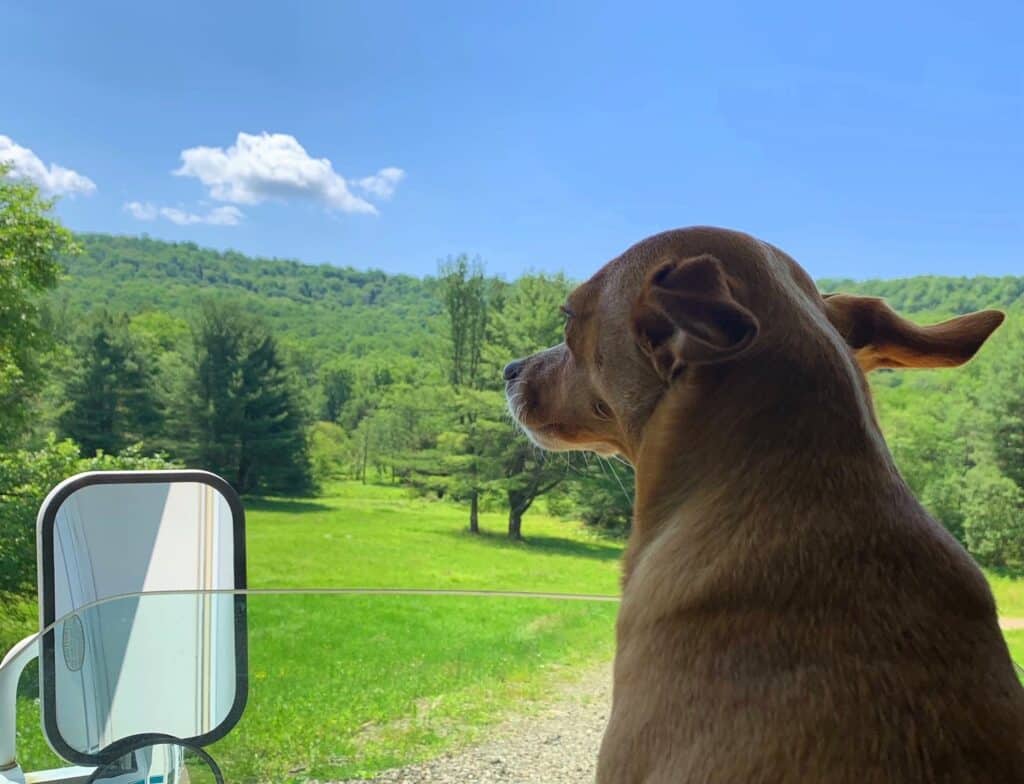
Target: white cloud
{"points": [[140, 211], [53, 180], [218, 216], [257, 168], [383, 183]]}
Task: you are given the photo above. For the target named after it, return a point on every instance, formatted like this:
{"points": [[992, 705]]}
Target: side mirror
{"points": [[141, 633]]}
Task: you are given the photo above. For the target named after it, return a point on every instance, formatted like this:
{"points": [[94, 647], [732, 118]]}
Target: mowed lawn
{"points": [[368, 536], [346, 685]]}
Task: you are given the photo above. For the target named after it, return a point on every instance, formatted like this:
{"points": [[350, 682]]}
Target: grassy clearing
{"points": [[1009, 592], [344, 686], [1015, 639], [372, 536]]}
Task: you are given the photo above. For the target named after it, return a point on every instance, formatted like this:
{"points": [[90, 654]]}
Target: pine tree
{"points": [[111, 403], [238, 413], [464, 291]]}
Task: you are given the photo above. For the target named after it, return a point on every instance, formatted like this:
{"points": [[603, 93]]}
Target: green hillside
{"points": [[324, 308], [343, 309]]}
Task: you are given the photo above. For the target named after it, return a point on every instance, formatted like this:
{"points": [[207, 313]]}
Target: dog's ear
{"points": [[686, 315], [881, 338]]}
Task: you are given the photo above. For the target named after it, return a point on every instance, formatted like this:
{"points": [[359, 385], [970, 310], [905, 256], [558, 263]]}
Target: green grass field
{"points": [[347, 685]]}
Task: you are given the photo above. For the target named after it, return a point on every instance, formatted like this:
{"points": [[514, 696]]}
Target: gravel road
{"points": [[557, 745]]}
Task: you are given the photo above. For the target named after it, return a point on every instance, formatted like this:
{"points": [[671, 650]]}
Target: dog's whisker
{"points": [[625, 493]]}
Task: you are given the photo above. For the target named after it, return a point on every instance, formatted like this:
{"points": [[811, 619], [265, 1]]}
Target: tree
{"points": [[26, 477], [1005, 386], [329, 447], [273, 448], [994, 518], [31, 241], [337, 385], [602, 491], [237, 413], [529, 320], [110, 393], [530, 474], [464, 292]]}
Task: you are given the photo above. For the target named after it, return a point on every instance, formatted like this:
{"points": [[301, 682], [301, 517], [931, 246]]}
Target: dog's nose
{"points": [[512, 369]]}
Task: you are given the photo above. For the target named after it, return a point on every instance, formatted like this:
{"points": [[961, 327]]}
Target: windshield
{"points": [[469, 313]]}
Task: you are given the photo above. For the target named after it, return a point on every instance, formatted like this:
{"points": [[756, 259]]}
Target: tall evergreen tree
{"points": [[238, 414], [273, 450], [464, 291], [110, 394]]}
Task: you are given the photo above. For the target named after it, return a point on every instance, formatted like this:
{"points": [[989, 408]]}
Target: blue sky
{"points": [[868, 140]]}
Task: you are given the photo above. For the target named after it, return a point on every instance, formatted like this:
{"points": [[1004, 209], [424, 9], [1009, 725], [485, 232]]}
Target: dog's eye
{"points": [[602, 410], [566, 312]]}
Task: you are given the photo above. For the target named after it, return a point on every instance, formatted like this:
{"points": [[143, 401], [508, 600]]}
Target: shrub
{"points": [[26, 477]]}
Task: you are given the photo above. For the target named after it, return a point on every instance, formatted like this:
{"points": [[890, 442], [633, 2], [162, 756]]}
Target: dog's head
{"points": [[691, 299]]}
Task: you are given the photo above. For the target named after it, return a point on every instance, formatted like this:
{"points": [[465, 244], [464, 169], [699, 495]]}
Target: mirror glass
{"points": [[110, 670]]}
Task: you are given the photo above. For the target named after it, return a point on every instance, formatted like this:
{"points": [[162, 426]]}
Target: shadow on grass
{"points": [[289, 505], [1007, 572], [551, 545]]}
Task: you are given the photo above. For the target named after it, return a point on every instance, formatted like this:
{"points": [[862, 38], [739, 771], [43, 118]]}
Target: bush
{"points": [[26, 477], [994, 519], [329, 451]]}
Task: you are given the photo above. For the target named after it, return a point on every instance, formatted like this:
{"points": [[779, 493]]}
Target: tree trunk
{"points": [[474, 513], [515, 523]]}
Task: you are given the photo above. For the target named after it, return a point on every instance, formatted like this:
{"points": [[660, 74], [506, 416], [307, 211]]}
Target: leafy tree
{"points": [[529, 320], [337, 383], [932, 447], [237, 412], [602, 493], [26, 477], [1005, 399], [329, 448], [31, 241], [994, 518], [110, 393]]}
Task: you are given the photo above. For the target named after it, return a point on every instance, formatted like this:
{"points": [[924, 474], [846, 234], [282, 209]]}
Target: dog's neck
{"points": [[731, 439]]}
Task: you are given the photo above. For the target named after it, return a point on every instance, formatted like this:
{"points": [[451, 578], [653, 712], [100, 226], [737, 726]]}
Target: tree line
{"points": [[284, 377], [221, 370]]}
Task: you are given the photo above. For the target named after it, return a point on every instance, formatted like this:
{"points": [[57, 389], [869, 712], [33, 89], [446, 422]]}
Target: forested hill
{"points": [[937, 293], [331, 309], [325, 307]]}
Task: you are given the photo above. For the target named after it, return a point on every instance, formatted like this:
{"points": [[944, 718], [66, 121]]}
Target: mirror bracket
{"points": [[11, 668]]}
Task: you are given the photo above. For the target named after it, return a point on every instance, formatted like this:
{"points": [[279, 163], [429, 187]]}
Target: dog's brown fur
{"points": [[790, 612]]}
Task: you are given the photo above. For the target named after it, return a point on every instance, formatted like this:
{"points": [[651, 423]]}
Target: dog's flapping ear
{"points": [[686, 315], [881, 338]]}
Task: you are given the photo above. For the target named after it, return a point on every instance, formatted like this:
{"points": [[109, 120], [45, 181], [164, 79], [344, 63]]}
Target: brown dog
{"points": [[790, 612]]}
